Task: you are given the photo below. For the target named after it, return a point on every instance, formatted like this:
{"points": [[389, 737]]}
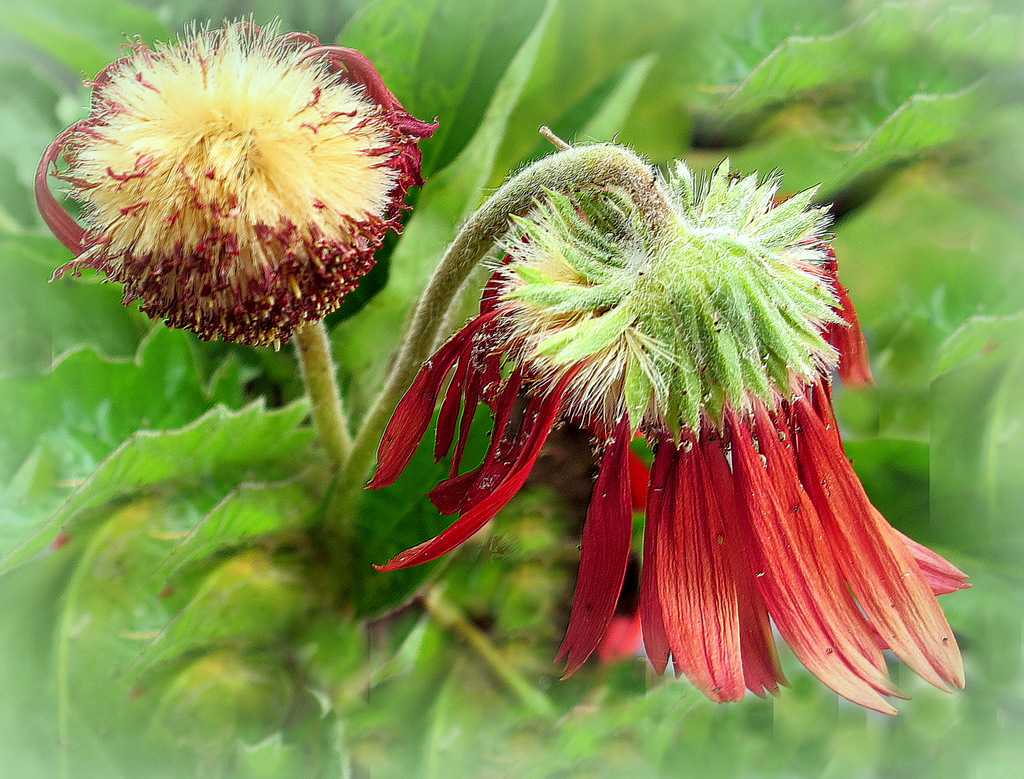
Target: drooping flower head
{"points": [[714, 334], [238, 183]]}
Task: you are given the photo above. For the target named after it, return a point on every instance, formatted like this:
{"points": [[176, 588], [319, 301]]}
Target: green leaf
{"points": [[82, 35], [608, 119], [444, 59], [250, 600], [44, 319], [391, 520], [974, 32], [88, 405], [977, 446], [450, 197], [600, 114], [395, 518], [801, 64], [246, 514], [921, 124], [220, 448], [884, 85], [977, 340], [28, 122]]}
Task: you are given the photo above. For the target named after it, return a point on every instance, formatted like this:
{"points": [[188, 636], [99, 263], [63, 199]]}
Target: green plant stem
{"points": [[569, 170], [319, 376], [449, 617]]}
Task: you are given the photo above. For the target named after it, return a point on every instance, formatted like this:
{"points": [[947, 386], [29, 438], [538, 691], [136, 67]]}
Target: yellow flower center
{"points": [[230, 133]]}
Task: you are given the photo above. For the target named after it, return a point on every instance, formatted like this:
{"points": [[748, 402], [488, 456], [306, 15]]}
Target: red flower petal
{"points": [[639, 476], [660, 497], [854, 362], [60, 222], [797, 575], [695, 581], [540, 417], [450, 496], [448, 416], [605, 553], [622, 639], [879, 567], [478, 379], [761, 669], [361, 70], [410, 420], [460, 492], [847, 336], [942, 576]]}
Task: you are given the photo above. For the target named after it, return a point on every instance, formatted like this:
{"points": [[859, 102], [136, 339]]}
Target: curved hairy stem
{"points": [[568, 170]]}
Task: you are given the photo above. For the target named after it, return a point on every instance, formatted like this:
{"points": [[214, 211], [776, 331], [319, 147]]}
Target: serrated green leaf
{"points": [[804, 63], [923, 123], [453, 194], [245, 515], [221, 447], [976, 32], [87, 405]]}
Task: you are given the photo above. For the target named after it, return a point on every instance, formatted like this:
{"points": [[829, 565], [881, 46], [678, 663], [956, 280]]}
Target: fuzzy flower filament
{"points": [[238, 183]]}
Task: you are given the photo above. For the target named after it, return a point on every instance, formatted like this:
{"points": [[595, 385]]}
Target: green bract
{"points": [[727, 301]]}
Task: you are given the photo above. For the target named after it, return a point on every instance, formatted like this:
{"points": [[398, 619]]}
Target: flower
{"points": [[715, 337], [238, 183]]}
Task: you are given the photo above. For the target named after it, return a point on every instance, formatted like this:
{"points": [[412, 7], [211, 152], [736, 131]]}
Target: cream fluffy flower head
{"points": [[238, 183]]}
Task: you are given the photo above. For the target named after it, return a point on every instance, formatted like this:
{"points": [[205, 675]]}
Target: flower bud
{"points": [[729, 301], [238, 183]]}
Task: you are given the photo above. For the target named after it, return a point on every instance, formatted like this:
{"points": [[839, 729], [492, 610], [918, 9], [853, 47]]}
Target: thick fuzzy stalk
{"points": [[314, 350], [569, 170]]}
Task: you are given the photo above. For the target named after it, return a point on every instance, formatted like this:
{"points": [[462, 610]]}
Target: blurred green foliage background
{"points": [[173, 602]]}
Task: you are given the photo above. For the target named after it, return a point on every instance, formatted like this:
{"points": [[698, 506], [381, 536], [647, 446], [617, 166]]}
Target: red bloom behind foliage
{"points": [[754, 514]]}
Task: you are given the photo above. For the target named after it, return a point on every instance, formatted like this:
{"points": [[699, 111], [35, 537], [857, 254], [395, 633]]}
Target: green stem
{"points": [[569, 170], [319, 376], [449, 617]]}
